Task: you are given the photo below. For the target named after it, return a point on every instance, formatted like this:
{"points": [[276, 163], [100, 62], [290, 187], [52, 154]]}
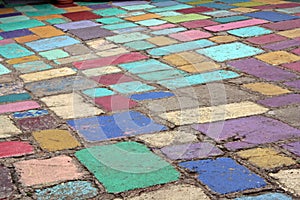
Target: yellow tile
{"points": [[185, 58], [244, 10], [271, 1], [77, 9], [46, 31], [43, 75], [266, 88], [266, 158], [48, 17], [27, 38], [7, 10], [199, 67], [143, 17], [175, 60], [278, 57], [161, 41], [199, 2], [223, 39], [290, 33], [23, 59], [213, 113]]}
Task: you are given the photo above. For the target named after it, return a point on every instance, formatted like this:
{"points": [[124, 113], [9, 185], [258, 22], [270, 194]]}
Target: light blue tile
{"points": [[54, 54], [52, 43], [151, 95], [230, 51], [132, 87], [45, 12], [169, 13], [138, 7], [31, 66], [231, 19], [136, 13], [4, 70], [14, 51], [198, 79], [139, 45], [168, 31], [98, 92], [175, 48], [268, 196], [170, 8], [130, 30], [109, 12], [119, 26], [30, 113], [250, 31], [145, 66], [162, 75], [110, 20], [128, 37], [21, 25], [26, 8], [151, 22], [221, 13], [19, 18]]}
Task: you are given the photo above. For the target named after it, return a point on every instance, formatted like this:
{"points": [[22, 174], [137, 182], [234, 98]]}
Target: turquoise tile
{"points": [[250, 31], [168, 31], [52, 43], [1, 38], [32, 66], [128, 37], [139, 45], [45, 12], [44, 7], [138, 7], [130, 30], [13, 19], [132, 87], [170, 8], [231, 19], [168, 13], [109, 12], [110, 20], [14, 97], [145, 66], [98, 92], [21, 25], [162, 75], [26, 8], [54, 54], [151, 22], [4, 70], [56, 21], [175, 48], [198, 79], [230, 51], [14, 51], [136, 13], [119, 26]]}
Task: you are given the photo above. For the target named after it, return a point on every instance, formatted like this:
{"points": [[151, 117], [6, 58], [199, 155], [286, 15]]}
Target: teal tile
{"points": [[52, 43], [110, 20], [145, 66], [230, 51], [54, 54], [32, 66], [128, 37], [130, 14], [1, 38], [13, 19], [151, 22], [45, 12], [139, 45], [132, 87], [138, 7], [175, 48], [98, 92], [168, 31], [44, 7], [231, 19], [162, 75], [198, 79], [14, 51], [4, 70], [56, 21], [14, 97], [26, 8], [109, 12], [170, 8], [21, 25], [168, 13], [250, 31], [119, 26]]}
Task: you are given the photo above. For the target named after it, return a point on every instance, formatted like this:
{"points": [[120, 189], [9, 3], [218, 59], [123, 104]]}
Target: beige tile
{"points": [[278, 57], [266, 88], [161, 40]]}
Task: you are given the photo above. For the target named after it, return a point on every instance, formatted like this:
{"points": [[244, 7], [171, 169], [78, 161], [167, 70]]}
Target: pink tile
{"points": [[164, 26], [110, 79], [6, 41], [190, 35], [111, 60], [284, 25], [296, 51], [15, 148], [265, 39], [115, 102], [18, 106], [293, 66], [234, 25], [277, 6], [195, 10], [198, 23]]}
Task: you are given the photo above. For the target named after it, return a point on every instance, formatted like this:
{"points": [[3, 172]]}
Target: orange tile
{"points": [[143, 17], [77, 9], [23, 60], [27, 38], [46, 31], [48, 17], [7, 10]]}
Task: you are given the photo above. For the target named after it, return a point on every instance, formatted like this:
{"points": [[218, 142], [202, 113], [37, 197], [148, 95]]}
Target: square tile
{"points": [[115, 102], [83, 15], [91, 33], [108, 162], [278, 57], [250, 31], [271, 16], [14, 51], [132, 87], [224, 175], [46, 31], [230, 51], [115, 126], [266, 88]]}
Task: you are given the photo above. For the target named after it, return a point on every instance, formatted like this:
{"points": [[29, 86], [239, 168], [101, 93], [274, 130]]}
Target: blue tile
{"points": [[139, 45], [224, 175], [98, 92], [14, 51], [16, 33], [3, 69], [151, 95], [132, 87], [268, 196], [145, 66], [151, 22], [271, 16], [21, 25], [231, 19], [162, 75], [138, 7], [168, 13], [170, 8], [32, 66], [250, 31], [30, 113], [165, 3], [168, 31], [52, 43], [119, 26], [185, 46], [118, 125], [14, 97], [230, 51], [233, 1]]}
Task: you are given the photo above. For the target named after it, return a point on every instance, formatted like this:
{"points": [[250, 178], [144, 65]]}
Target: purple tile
{"points": [[293, 147], [191, 151], [99, 6], [294, 84], [6, 185], [77, 25], [91, 33], [281, 100], [277, 6], [260, 69], [282, 26], [17, 33], [283, 45], [37, 123], [248, 132], [129, 3], [10, 14], [265, 39]]}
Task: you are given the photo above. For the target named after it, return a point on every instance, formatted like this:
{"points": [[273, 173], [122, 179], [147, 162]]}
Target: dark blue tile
{"points": [[151, 95], [224, 175], [10, 14], [271, 16], [16, 33]]}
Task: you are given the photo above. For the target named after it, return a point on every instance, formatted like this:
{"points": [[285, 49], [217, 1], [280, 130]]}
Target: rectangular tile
{"points": [[18, 106], [52, 43], [145, 66], [184, 18], [123, 38], [21, 25], [14, 50]]}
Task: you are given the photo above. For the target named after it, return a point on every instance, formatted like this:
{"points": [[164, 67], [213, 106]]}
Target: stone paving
{"points": [[161, 99]]}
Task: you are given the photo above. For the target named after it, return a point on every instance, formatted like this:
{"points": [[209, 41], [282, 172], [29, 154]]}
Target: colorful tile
{"points": [[14, 51], [30, 113], [139, 45], [16, 33], [278, 57], [82, 15], [185, 18], [14, 97], [268, 196], [250, 31], [98, 92], [111, 79], [115, 103], [18, 106], [76, 25], [43, 122], [190, 35], [151, 95], [293, 147], [15, 148], [91, 33], [7, 127], [271, 16], [109, 12], [145, 66], [288, 179], [129, 37], [265, 39], [21, 25], [4, 70], [131, 87], [6, 185], [234, 25]]}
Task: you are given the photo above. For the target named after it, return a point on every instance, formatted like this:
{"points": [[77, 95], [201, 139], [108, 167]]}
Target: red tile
{"points": [[111, 79], [195, 10], [83, 15], [198, 23], [111, 60], [14, 148], [65, 5], [265, 39], [115, 102], [293, 66]]}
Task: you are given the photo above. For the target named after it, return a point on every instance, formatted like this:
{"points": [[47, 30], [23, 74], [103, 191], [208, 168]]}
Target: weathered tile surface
{"points": [[6, 185]]}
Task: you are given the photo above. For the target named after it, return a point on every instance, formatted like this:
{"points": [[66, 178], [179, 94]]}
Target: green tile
{"points": [[54, 54], [139, 45], [56, 21], [185, 18], [109, 12], [14, 51], [119, 26], [21, 25]]}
